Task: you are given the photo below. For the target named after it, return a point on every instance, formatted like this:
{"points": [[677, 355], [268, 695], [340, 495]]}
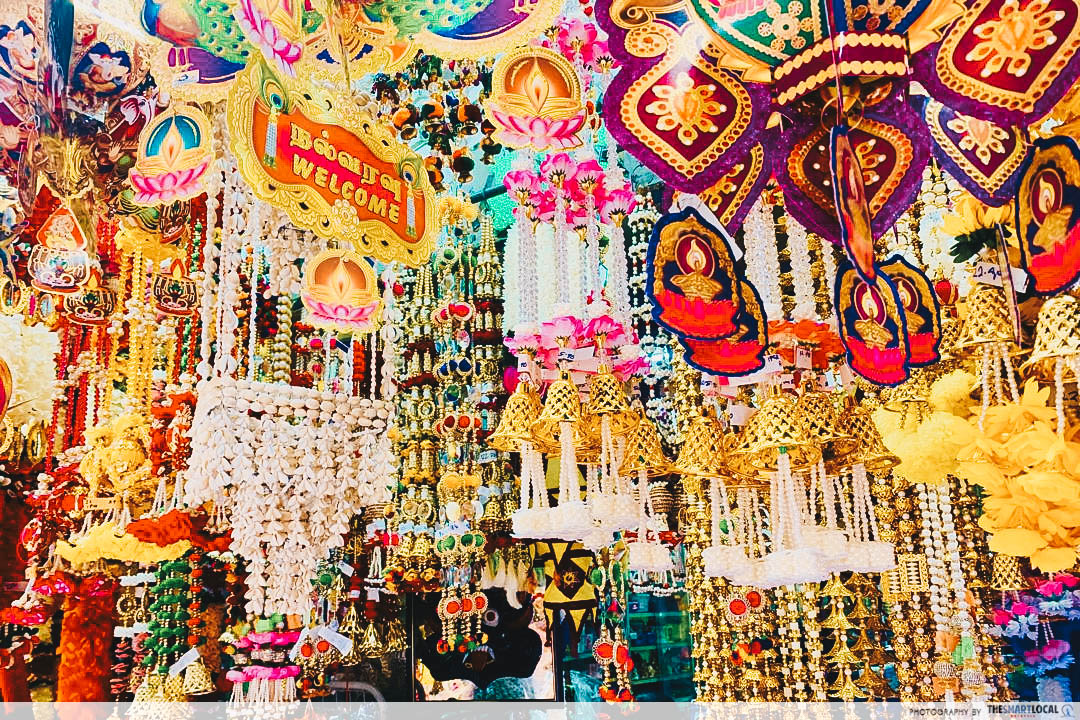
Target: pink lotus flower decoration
{"points": [[626, 369], [1049, 652], [607, 328], [538, 132], [169, 187], [589, 176], [545, 206], [617, 205], [558, 169], [352, 317], [262, 32], [521, 184], [525, 344], [562, 332]]}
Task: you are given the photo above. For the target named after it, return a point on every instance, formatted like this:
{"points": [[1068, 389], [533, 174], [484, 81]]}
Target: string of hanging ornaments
{"points": [[540, 351]]}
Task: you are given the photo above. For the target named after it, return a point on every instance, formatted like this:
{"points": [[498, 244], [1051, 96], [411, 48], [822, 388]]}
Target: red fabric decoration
{"points": [[85, 642]]}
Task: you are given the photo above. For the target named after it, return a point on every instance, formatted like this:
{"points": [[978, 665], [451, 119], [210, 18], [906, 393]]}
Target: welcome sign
{"points": [[331, 167]]}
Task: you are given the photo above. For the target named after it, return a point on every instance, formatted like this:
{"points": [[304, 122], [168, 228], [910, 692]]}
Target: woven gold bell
{"points": [[643, 451], [950, 333], [608, 399], [173, 689], [913, 395], [817, 412], [702, 453], [987, 319], [197, 679], [395, 636], [776, 426], [661, 498], [522, 409], [370, 643], [871, 452], [1007, 574], [562, 404], [1057, 334]]}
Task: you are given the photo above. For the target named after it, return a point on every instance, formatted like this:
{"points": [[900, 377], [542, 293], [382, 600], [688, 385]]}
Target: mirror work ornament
{"points": [[331, 167]]}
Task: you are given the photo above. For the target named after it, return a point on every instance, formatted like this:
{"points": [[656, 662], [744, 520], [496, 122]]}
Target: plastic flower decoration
{"points": [[1031, 476], [972, 226]]}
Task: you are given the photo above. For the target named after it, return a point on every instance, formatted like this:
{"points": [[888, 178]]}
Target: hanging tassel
{"points": [[270, 147]]}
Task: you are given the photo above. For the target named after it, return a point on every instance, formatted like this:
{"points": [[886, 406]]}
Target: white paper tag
{"points": [[354, 594], [339, 641], [802, 358], [186, 78], [140, 590], [295, 650], [566, 355], [739, 413], [345, 568], [990, 274], [487, 456], [846, 378], [140, 627], [186, 659], [373, 594]]}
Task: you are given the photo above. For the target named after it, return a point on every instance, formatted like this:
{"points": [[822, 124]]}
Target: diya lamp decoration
{"points": [[174, 154], [536, 100], [340, 291], [175, 292], [93, 304]]}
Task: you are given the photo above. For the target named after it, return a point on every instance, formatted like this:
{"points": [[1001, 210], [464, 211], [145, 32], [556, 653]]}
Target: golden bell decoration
{"points": [[911, 396], [1007, 574], [987, 319], [608, 399], [522, 409], [950, 333], [562, 404], [1057, 334], [395, 636], [776, 426], [871, 452], [661, 498], [702, 453], [370, 644], [817, 412], [197, 679], [643, 451]]}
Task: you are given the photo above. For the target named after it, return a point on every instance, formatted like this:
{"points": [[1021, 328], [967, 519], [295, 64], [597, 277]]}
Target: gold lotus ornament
{"points": [[340, 291], [536, 100]]}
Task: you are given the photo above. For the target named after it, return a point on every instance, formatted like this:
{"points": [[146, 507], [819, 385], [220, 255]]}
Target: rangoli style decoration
{"points": [[699, 297], [331, 168]]}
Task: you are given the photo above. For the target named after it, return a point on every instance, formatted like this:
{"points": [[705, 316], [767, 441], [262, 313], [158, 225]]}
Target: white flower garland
{"points": [[762, 258]]}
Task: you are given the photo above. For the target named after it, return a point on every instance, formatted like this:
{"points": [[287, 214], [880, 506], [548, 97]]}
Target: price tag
{"points": [[186, 659], [140, 590], [345, 568], [487, 456], [567, 355], [523, 364], [339, 641], [846, 378], [373, 594], [140, 627], [354, 594], [802, 358], [295, 649], [990, 274], [787, 381], [739, 413], [186, 78]]}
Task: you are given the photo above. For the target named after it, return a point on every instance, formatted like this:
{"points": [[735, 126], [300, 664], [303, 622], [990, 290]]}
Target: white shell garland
{"points": [[289, 479]]}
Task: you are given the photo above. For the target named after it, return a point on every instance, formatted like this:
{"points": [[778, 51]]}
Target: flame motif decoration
{"points": [[872, 325], [174, 153], [340, 291], [1048, 214], [536, 100]]}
